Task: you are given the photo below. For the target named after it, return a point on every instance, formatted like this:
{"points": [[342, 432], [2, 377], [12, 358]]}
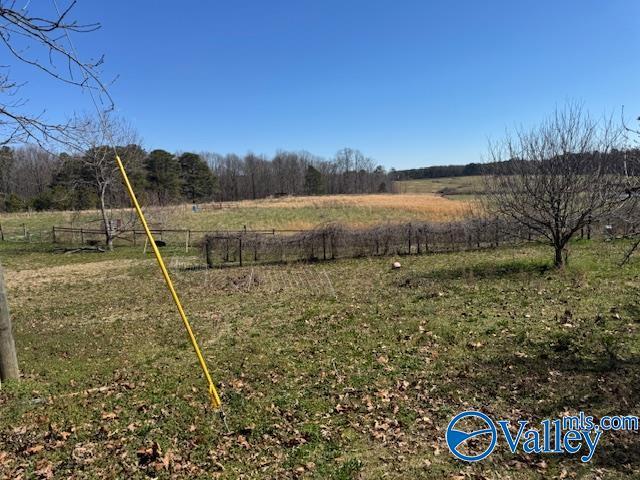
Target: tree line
{"points": [[437, 171], [34, 178], [615, 158]]}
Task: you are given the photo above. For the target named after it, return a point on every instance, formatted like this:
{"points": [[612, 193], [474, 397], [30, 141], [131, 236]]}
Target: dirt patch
{"points": [[79, 272]]}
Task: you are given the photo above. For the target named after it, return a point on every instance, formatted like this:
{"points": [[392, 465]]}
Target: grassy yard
{"points": [[340, 370]]}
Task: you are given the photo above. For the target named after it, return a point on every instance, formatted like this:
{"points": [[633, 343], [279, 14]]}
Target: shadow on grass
{"points": [[548, 384], [633, 310], [491, 270]]}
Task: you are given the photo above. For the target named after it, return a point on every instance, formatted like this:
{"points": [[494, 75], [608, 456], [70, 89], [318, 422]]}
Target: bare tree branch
{"points": [[43, 43]]}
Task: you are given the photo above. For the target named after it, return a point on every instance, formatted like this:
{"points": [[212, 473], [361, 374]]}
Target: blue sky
{"points": [[409, 83]]}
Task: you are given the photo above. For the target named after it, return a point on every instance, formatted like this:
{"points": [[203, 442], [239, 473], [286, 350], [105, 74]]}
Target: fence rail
{"points": [[24, 234], [131, 236]]}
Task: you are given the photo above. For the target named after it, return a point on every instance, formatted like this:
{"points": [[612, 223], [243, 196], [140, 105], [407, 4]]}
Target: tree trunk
{"points": [[105, 220], [8, 358], [558, 261]]}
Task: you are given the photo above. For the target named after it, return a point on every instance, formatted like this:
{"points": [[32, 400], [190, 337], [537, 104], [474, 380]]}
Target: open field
{"points": [[341, 370], [281, 213], [457, 187]]}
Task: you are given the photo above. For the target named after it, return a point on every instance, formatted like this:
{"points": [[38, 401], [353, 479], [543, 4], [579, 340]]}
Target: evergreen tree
{"points": [[197, 182], [163, 175], [313, 184], [6, 167]]}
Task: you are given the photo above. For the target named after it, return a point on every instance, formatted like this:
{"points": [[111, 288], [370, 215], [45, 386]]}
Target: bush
{"points": [[13, 203], [42, 202]]}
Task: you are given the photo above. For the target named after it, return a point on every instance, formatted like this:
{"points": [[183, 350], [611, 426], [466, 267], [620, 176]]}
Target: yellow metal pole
{"points": [[213, 392]]}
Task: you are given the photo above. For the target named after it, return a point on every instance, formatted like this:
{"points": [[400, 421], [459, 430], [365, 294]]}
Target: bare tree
{"points": [[97, 160], [40, 40], [34, 170], [555, 179]]}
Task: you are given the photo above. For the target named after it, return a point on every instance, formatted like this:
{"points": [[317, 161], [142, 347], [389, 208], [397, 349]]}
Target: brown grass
{"points": [[278, 213], [420, 203]]}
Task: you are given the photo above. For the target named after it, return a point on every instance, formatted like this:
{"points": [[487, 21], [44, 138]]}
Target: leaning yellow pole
{"points": [[213, 392]]}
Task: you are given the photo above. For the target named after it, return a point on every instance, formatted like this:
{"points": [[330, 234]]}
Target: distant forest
{"points": [[621, 161], [436, 172], [33, 178]]}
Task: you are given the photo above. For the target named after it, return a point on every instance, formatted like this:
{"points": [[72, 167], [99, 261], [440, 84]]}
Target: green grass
{"points": [[360, 384], [458, 187]]}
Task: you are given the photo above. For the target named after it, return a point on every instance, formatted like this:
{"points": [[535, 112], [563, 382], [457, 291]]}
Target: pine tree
{"points": [[163, 175], [197, 182], [313, 184]]}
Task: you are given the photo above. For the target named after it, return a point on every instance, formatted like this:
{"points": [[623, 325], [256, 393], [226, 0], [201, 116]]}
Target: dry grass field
{"points": [[279, 213], [457, 187]]}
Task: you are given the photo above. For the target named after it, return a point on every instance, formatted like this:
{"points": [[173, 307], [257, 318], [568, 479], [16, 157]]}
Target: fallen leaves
{"points": [[109, 416], [44, 469], [84, 454], [153, 458], [34, 449]]}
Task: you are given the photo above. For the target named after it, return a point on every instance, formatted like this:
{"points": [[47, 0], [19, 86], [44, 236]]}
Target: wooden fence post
{"points": [[1, 233], [240, 250], [324, 245], [81, 236], [8, 358], [208, 248], [53, 234]]}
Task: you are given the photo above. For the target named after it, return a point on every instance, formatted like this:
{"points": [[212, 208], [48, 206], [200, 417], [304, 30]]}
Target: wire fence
{"points": [[245, 246], [338, 241], [23, 233]]}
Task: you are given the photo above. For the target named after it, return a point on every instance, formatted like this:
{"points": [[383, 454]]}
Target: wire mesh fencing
{"points": [[338, 241]]}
